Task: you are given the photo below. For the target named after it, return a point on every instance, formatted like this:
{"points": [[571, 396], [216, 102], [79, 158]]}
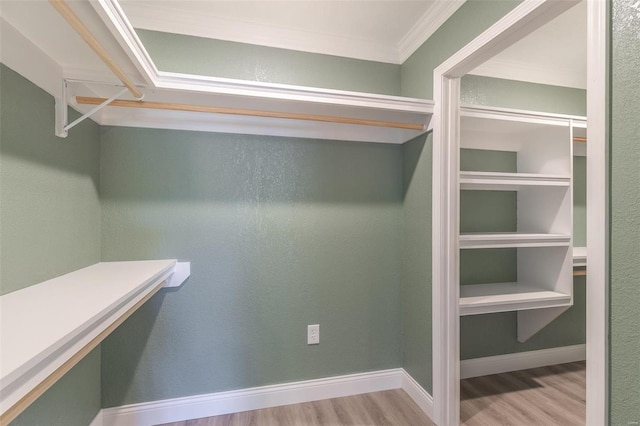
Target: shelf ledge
{"points": [[504, 297], [579, 256], [497, 181], [484, 240], [48, 327]]}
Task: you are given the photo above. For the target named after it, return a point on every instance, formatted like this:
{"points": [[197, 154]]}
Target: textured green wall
{"points": [[416, 261], [49, 224], [227, 59], [281, 233], [515, 94], [625, 214], [468, 22]]}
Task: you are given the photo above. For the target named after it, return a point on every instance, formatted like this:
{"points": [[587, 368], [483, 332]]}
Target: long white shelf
{"points": [[503, 297], [47, 326], [497, 181], [482, 240]]}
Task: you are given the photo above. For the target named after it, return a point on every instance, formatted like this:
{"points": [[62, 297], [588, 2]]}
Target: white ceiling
{"points": [[555, 54], [380, 30]]}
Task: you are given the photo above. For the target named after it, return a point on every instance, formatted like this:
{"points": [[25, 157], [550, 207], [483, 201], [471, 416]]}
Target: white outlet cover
{"points": [[313, 334]]}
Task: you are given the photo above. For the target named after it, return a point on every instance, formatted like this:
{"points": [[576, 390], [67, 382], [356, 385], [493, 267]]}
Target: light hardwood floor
{"points": [[547, 396]]}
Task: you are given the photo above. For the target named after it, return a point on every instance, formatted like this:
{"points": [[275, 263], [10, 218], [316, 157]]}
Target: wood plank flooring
{"points": [[546, 396], [389, 408]]}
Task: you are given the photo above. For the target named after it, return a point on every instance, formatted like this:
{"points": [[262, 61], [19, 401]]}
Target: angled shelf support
{"points": [[62, 107], [181, 272]]}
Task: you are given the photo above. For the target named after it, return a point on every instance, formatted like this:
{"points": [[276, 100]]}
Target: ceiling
{"points": [[555, 54], [357, 28]]}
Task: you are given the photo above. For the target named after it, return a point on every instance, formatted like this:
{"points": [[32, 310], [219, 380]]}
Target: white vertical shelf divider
{"points": [[49, 327]]}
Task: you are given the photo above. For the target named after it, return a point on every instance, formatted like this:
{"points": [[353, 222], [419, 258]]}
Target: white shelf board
{"points": [[44, 325], [579, 256], [498, 181], [483, 240], [503, 297]]}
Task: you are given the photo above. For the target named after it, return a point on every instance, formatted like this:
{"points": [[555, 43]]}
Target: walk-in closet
{"points": [[264, 212]]}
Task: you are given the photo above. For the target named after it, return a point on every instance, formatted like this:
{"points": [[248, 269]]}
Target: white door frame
{"points": [[520, 22]]}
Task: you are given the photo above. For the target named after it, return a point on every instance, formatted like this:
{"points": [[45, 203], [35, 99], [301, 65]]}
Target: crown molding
{"points": [[526, 71], [426, 26], [215, 27]]}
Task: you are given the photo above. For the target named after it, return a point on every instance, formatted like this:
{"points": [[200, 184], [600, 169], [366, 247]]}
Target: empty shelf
{"points": [[482, 240], [497, 181], [46, 328], [504, 297]]}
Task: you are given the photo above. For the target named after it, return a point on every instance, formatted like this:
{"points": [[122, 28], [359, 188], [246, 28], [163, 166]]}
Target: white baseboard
{"points": [[521, 361], [420, 396], [193, 407]]}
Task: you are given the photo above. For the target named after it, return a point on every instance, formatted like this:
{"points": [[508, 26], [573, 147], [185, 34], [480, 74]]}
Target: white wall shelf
{"points": [[48, 327], [497, 181], [485, 240], [504, 297]]}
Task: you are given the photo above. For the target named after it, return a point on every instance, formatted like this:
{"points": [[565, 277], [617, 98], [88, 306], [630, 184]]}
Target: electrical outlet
{"points": [[313, 334]]}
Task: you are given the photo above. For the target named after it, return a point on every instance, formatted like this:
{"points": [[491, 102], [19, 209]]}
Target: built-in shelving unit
{"points": [[48, 327], [542, 240]]}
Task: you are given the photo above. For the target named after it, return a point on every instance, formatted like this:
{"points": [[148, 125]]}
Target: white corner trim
{"points": [[214, 404], [421, 397], [521, 361], [427, 25]]}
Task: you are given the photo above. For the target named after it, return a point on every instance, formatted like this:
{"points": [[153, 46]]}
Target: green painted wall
{"points": [[227, 59], [73, 401], [49, 224], [625, 214], [467, 23], [498, 92], [281, 233], [416, 261]]}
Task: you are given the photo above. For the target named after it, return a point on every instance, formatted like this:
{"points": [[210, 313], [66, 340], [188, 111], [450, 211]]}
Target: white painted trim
{"points": [[521, 21], [418, 394], [215, 27], [524, 71], [25, 58], [193, 407], [521, 361], [97, 420], [597, 214], [221, 28], [426, 26]]}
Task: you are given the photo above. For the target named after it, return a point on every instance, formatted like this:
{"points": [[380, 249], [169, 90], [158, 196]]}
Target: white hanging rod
{"points": [[69, 15], [81, 100]]}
